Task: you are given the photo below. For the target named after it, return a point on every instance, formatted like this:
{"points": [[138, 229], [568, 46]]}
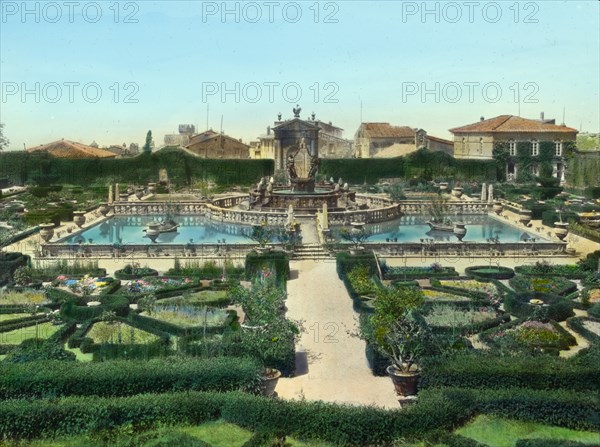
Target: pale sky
{"points": [[110, 71]]}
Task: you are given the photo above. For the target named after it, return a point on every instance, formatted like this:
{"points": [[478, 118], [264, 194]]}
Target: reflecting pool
{"points": [[480, 228]]}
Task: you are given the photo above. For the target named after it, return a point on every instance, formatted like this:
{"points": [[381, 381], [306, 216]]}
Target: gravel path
{"points": [[330, 362]]}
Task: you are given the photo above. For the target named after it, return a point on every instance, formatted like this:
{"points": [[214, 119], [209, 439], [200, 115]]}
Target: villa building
{"points": [[212, 144], [332, 143], [382, 140], [70, 149], [524, 145]]}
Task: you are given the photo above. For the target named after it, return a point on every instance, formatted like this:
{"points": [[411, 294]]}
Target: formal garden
{"points": [[191, 354]]}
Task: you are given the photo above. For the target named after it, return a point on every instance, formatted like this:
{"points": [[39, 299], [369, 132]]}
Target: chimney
{"points": [[482, 118], [542, 116]]}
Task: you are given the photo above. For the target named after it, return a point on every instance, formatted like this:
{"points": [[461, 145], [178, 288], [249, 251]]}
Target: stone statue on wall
{"points": [[297, 111], [314, 166]]}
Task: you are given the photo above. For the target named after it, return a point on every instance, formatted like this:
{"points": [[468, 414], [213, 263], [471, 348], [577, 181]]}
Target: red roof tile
{"points": [[71, 149], [511, 123], [385, 130]]}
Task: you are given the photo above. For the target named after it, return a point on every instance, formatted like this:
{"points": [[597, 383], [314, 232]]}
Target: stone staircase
{"points": [[311, 252]]}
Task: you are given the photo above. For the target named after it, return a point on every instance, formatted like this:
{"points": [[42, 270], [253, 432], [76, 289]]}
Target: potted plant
{"points": [[401, 335], [405, 343]]}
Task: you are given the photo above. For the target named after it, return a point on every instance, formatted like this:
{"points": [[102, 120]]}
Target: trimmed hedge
{"points": [[137, 273], [345, 262], [486, 272], [558, 309], [154, 325], [485, 370], [109, 303], [566, 340], [400, 273], [594, 311], [127, 377], [558, 285], [566, 271], [545, 442], [340, 424], [576, 324]]}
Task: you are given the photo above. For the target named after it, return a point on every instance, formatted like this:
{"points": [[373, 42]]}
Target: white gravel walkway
{"points": [[330, 363]]}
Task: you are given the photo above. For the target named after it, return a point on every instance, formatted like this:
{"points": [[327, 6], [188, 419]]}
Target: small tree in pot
{"points": [[401, 334]]}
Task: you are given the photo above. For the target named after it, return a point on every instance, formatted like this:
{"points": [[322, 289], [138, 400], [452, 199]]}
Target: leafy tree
{"points": [[149, 143], [3, 140], [355, 236]]}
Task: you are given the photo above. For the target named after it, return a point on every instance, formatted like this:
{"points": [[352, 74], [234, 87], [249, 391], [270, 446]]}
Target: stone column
{"points": [[117, 195], [490, 193], [325, 222], [483, 192], [110, 194]]}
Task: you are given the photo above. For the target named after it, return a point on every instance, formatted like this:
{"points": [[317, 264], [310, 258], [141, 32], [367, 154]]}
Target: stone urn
{"points": [[457, 192], [561, 230], [79, 218], [152, 188], [46, 232], [104, 209], [459, 230], [124, 197], [443, 186], [153, 230], [405, 383], [269, 381], [525, 217], [498, 208], [139, 193]]}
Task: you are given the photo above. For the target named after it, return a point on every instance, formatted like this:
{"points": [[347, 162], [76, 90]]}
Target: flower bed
{"points": [[470, 285], [156, 285], [361, 281], [554, 285], [119, 333], [437, 295], [532, 335], [87, 285], [211, 298], [450, 316], [187, 316], [28, 297]]}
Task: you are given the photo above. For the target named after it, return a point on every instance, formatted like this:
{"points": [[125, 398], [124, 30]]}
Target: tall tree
{"points": [[149, 143], [3, 140]]}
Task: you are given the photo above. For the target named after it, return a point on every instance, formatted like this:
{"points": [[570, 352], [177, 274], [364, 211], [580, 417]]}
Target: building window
{"points": [[535, 170], [558, 149], [464, 144], [481, 145], [512, 148], [535, 148]]}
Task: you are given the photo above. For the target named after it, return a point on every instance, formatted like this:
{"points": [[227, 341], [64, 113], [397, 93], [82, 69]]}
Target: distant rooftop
{"points": [[511, 123], [71, 149]]}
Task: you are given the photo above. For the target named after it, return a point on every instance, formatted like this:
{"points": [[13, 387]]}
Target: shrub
{"points": [[556, 286], [33, 349], [594, 311], [557, 309], [275, 261], [130, 272], [127, 377], [487, 272]]}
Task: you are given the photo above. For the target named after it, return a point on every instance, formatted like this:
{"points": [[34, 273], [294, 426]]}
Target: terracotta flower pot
{"points": [[405, 383], [269, 381]]}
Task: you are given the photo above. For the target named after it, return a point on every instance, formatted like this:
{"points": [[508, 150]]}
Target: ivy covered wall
{"points": [[182, 168]]}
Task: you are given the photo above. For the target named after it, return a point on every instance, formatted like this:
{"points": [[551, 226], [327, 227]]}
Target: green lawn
{"points": [[6, 317], [80, 356], [42, 330], [217, 434], [499, 432]]}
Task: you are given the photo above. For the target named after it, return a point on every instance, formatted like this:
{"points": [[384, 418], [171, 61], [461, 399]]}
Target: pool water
{"points": [[479, 229], [130, 230]]}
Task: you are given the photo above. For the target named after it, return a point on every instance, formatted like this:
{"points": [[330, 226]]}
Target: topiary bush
{"points": [[487, 272]]}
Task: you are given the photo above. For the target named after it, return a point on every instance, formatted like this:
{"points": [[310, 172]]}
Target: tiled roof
{"points": [[385, 130], [511, 123], [71, 149], [440, 140]]}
